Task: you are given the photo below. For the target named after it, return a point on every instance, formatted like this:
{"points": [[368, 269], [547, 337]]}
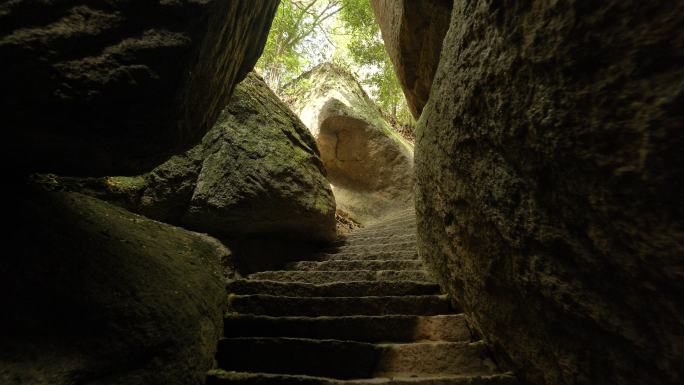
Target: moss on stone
{"points": [[257, 171], [96, 292]]}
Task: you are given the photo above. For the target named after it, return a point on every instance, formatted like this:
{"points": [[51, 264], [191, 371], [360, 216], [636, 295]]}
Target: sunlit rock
{"points": [[369, 165], [413, 32]]}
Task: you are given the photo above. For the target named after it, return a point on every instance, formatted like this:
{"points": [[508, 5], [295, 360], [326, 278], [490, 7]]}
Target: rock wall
{"points": [[369, 165], [413, 32], [116, 87], [93, 294], [549, 184]]}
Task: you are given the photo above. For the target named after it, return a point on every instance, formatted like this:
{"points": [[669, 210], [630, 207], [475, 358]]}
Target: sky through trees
{"points": [[306, 33]]}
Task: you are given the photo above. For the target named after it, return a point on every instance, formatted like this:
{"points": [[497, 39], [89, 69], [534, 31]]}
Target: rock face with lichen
{"points": [[369, 165], [93, 294], [257, 172], [116, 87], [549, 185], [413, 32]]}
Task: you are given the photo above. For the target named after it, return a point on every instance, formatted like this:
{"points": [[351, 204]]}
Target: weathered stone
{"points": [[261, 173], [369, 264], [396, 328], [257, 172], [115, 87], [339, 306], [369, 165], [413, 32], [322, 277], [549, 185], [222, 377], [336, 289], [93, 294], [351, 359]]}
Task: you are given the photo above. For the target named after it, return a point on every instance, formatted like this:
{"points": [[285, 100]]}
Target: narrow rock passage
{"points": [[367, 312]]}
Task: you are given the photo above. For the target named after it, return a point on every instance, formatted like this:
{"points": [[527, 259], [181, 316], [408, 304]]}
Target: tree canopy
{"points": [[306, 33]]}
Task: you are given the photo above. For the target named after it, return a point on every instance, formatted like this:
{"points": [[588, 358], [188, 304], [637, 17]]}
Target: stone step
{"points": [[350, 359], [383, 231], [434, 358], [273, 305], [397, 264], [388, 328], [388, 220], [400, 243], [353, 239], [354, 256], [319, 277], [374, 248], [397, 224], [222, 377], [409, 211], [328, 358], [338, 289], [391, 220]]}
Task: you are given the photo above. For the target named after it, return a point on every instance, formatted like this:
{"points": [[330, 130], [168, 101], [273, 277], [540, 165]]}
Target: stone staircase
{"points": [[366, 313]]}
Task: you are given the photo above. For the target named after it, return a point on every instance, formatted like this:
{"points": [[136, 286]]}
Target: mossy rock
{"points": [[94, 294], [256, 173]]}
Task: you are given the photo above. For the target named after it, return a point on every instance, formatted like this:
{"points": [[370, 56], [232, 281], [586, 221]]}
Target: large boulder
{"points": [[115, 87], [369, 165], [93, 294], [549, 185], [257, 172], [413, 32]]}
